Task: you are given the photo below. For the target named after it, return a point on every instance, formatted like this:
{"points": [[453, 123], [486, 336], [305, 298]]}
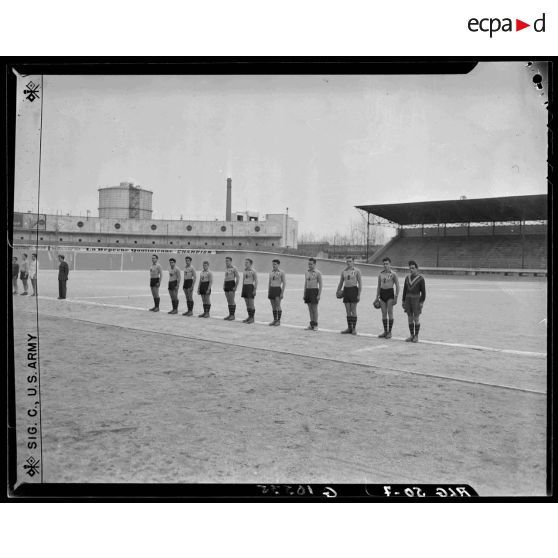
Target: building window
{"points": [[171, 242], [256, 243], [222, 243], [257, 228], [153, 227], [188, 244], [80, 224], [22, 238], [152, 242], [79, 239], [41, 238], [239, 218], [98, 240], [206, 243], [117, 225], [223, 228], [189, 228], [118, 242], [272, 244], [240, 243], [61, 240]]}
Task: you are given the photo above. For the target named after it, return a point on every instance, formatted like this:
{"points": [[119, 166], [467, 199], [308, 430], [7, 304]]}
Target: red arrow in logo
{"points": [[519, 25]]}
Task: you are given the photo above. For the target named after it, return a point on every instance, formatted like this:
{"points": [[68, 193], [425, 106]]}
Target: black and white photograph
{"points": [[291, 280]]}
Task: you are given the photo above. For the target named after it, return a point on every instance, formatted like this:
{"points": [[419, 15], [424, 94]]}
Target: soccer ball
{"points": [[377, 304], [339, 293]]}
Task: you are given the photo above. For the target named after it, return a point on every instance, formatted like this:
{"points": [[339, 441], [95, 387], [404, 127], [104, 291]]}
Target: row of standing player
{"points": [[349, 289]]}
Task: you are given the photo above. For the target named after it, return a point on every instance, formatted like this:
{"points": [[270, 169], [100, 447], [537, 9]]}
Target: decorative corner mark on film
{"points": [[32, 91], [32, 466]]}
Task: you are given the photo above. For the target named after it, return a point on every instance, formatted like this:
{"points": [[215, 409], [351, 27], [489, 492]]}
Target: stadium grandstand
{"points": [[504, 235]]}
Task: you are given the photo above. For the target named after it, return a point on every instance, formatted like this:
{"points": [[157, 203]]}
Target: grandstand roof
{"points": [[512, 208]]}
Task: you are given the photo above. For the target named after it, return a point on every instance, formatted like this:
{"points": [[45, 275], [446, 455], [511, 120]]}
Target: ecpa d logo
{"points": [[493, 25]]}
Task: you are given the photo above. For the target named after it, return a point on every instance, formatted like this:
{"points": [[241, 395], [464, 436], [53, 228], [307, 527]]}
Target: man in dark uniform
{"points": [[349, 288], [63, 272], [15, 273], [276, 290], [414, 295], [24, 273], [232, 279], [174, 280]]}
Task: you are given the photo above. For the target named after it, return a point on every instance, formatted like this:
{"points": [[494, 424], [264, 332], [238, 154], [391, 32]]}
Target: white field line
{"points": [[371, 335]]}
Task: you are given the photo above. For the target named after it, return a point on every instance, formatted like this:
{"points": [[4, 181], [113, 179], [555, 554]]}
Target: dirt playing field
{"points": [[132, 396]]}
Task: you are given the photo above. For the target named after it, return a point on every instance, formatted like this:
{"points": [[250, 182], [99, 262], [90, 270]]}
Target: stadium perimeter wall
{"points": [[115, 260]]}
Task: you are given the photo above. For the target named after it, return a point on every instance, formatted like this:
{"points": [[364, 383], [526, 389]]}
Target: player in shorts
{"points": [[188, 286], [350, 286], [312, 292], [387, 296], [24, 273], [414, 295], [275, 292], [249, 288], [15, 273], [33, 273], [204, 289], [232, 279], [155, 278], [174, 281]]}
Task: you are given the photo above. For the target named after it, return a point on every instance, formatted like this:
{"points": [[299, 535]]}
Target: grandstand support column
{"points": [[438, 247], [121, 261], [522, 233], [367, 235]]}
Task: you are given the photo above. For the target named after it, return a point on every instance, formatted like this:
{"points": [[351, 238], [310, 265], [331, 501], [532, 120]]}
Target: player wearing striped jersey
{"points": [[312, 292], [350, 286], [155, 278], [174, 281], [386, 295], [249, 289], [276, 290], [414, 295], [188, 286], [204, 289], [232, 279]]}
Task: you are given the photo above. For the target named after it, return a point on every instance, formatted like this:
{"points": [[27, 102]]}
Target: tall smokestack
{"points": [[228, 216]]}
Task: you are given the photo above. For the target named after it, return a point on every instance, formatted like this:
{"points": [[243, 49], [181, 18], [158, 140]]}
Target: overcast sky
{"points": [[316, 144]]}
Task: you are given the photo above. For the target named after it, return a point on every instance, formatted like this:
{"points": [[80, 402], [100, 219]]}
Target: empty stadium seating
{"points": [[487, 251]]}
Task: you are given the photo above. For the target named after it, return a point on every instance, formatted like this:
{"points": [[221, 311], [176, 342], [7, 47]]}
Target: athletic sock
{"points": [[385, 322], [233, 309], [354, 321], [279, 314], [157, 300], [417, 329], [208, 308], [412, 328], [190, 304], [390, 325], [349, 322], [275, 315]]}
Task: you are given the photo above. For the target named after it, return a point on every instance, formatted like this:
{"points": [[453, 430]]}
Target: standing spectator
{"points": [[63, 272], [24, 273], [15, 273], [33, 271]]}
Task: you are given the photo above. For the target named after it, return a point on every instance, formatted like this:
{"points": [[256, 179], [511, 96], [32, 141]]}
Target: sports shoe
{"points": [[315, 328], [388, 335], [277, 323], [232, 318], [206, 315], [23, 294], [274, 322], [185, 313], [415, 339], [156, 309], [250, 321], [189, 313], [348, 330], [353, 331], [227, 318], [173, 311], [409, 339], [309, 328], [245, 320], [201, 315], [382, 335]]}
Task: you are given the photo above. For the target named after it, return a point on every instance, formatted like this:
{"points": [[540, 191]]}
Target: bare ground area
{"points": [[132, 397]]}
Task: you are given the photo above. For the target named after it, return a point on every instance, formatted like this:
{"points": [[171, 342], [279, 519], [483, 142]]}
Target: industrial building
{"points": [[124, 220]]}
